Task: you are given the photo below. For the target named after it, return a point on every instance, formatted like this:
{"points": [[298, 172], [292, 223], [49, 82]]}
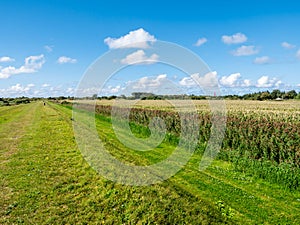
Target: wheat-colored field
{"points": [[231, 106]]}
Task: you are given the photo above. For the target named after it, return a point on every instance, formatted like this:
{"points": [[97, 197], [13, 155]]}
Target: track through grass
{"points": [[45, 180], [50, 183]]}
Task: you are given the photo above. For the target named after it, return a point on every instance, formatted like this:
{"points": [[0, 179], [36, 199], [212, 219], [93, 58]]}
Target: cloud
{"points": [[150, 82], [262, 60], [245, 50], [70, 91], [298, 54], [134, 39], [159, 84], [139, 57], [88, 91], [267, 82], [208, 80], [234, 80], [48, 48], [188, 82], [201, 41], [287, 45], [6, 59], [65, 59], [231, 80], [234, 39], [32, 64], [114, 90], [18, 90], [32, 90], [246, 83], [111, 90]]}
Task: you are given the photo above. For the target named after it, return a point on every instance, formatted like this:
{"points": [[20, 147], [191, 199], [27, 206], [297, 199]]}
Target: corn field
{"points": [[262, 138]]}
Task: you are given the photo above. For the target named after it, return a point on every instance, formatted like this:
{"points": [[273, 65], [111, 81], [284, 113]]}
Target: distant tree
{"points": [[276, 94], [257, 96], [290, 94], [61, 98], [122, 97], [199, 97], [265, 95], [140, 95], [6, 103], [112, 97]]}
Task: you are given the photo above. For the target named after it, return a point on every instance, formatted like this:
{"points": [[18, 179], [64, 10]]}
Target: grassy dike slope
{"points": [[45, 180]]}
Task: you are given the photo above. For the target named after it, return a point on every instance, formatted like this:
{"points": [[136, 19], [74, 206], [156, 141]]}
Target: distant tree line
{"points": [[15, 101], [266, 95], [260, 96]]}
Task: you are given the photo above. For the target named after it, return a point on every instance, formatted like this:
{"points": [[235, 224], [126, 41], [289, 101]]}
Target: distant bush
{"points": [[66, 103], [21, 101]]}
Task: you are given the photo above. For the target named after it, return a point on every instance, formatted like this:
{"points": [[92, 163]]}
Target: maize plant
{"points": [[261, 138]]}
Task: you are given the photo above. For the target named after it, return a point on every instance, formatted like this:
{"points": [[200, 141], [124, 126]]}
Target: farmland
{"points": [[254, 180]]}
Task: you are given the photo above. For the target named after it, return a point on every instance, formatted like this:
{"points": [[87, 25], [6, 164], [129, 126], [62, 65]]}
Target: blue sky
{"points": [[46, 46]]}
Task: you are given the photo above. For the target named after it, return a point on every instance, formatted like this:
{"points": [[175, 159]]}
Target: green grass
{"points": [[45, 180]]}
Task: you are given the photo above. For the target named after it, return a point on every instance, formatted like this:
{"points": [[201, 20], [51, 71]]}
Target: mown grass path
{"points": [[45, 180], [50, 183], [13, 122]]}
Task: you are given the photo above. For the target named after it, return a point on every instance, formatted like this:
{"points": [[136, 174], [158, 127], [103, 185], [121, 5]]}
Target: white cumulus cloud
{"points": [[65, 59], [146, 82], [6, 59], [187, 82], [159, 84], [32, 64], [235, 38], [245, 50], [262, 60], [201, 41], [111, 90], [208, 80], [18, 90], [139, 57], [287, 45], [234, 80], [134, 39], [246, 83], [267, 82], [231, 80]]}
